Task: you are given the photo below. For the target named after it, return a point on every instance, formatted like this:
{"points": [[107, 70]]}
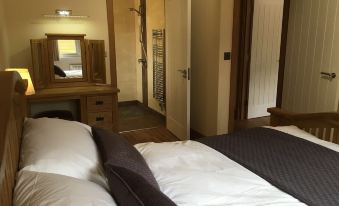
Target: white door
{"points": [[312, 48], [178, 62], [265, 53]]}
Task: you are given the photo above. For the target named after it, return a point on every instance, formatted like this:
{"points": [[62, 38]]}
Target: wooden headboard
{"points": [[322, 125], [12, 114]]}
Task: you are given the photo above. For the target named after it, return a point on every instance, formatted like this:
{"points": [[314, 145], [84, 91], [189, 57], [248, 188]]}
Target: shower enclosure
{"points": [[157, 43], [140, 59], [141, 13]]}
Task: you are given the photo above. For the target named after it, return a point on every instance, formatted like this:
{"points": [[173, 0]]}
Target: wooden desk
{"points": [[98, 104]]}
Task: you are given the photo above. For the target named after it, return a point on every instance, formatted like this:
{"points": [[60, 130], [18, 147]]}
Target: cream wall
{"points": [[3, 38], [138, 54], [125, 38], [24, 21], [155, 18], [211, 37]]}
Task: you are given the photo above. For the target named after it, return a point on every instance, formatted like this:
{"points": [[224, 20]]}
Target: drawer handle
{"points": [[100, 119], [99, 103]]}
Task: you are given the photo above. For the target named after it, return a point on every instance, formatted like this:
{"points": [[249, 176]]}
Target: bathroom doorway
{"points": [[140, 54], [259, 49]]}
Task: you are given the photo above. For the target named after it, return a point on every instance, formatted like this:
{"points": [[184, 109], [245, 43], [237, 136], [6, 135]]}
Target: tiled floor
{"points": [[137, 116]]}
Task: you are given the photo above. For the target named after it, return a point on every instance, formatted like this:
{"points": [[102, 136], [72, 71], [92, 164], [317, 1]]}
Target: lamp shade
{"points": [[24, 73]]}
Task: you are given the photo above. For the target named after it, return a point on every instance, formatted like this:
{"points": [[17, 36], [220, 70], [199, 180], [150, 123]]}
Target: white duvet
{"points": [[192, 174]]}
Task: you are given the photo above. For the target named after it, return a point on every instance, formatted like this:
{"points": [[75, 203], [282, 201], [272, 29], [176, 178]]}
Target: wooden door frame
{"points": [[112, 52], [111, 37], [240, 65], [112, 58]]}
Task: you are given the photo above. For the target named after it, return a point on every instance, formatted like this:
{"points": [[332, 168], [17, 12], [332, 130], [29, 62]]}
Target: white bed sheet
{"points": [[71, 74], [193, 174]]}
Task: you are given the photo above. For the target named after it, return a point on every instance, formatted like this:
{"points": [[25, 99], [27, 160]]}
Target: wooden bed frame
{"points": [[12, 114], [325, 126], [13, 111]]}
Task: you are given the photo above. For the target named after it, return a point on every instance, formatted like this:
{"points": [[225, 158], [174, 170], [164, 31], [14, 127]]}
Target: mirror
{"points": [[67, 60], [67, 57]]}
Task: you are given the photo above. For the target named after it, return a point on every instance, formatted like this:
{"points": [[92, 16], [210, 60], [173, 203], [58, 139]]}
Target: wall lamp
{"points": [[64, 13]]}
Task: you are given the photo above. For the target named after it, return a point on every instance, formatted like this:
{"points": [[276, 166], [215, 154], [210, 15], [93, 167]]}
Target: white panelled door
{"points": [[312, 48], [178, 62], [265, 54]]}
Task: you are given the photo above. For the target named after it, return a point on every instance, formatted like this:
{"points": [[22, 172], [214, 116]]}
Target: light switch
{"points": [[227, 56]]}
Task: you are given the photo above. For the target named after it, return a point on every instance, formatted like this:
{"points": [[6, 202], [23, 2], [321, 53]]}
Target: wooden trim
{"points": [[72, 91], [236, 60], [325, 126], [244, 59], [282, 58], [111, 36], [64, 36], [112, 57], [234, 63]]}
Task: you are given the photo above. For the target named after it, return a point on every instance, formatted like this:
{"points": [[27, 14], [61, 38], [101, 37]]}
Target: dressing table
{"points": [[69, 70]]}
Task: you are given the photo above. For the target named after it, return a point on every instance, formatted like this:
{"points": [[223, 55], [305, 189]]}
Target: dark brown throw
{"points": [[130, 179], [303, 169]]}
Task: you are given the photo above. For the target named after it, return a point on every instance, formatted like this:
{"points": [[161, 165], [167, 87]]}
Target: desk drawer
{"points": [[100, 119], [99, 103]]}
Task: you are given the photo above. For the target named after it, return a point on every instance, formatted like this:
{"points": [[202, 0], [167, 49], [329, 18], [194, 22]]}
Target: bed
{"points": [[71, 74], [199, 172]]}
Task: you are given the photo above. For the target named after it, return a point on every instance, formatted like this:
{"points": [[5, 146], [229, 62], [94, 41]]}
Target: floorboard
{"points": [[251, 123], [158, 134]]}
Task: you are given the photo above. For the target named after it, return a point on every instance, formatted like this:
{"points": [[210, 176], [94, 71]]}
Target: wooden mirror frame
{"points": [[63, 82]]}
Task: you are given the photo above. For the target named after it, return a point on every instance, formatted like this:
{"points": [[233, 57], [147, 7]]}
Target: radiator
{"points": [[159, 71]]}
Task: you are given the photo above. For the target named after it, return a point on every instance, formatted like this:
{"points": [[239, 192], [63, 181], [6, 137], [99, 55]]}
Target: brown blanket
{"points": [[303, 169]]}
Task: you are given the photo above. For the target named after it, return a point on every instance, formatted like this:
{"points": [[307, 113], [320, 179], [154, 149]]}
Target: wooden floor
{"points": [[251, 123], [161, 134], [158, 134]]}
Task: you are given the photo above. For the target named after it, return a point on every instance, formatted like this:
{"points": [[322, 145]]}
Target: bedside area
{"points": [[70, 76], [96, 105]]}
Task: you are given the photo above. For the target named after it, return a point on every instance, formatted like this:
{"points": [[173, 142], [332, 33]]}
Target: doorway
{"points": [[140, 37], [259, 47]]}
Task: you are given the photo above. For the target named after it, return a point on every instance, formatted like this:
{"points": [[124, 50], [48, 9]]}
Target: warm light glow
{"points": [[63, 12], [24, 73]]}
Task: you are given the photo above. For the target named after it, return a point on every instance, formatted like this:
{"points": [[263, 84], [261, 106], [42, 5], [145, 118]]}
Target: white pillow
{"points": [[45, 189], [60, 147]]}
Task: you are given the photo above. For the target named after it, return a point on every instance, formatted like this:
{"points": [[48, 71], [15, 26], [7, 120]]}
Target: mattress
{"points": [[191, 173]]}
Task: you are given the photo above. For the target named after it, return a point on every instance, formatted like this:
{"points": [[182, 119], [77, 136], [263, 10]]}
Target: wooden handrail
{"points": [[323, 125]]}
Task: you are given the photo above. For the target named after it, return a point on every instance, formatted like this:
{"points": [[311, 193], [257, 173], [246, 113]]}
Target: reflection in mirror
{"points": [[67, 59]]}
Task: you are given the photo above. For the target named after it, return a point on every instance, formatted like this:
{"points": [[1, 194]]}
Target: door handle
{"points": [[329, 76], [183, 72]]}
